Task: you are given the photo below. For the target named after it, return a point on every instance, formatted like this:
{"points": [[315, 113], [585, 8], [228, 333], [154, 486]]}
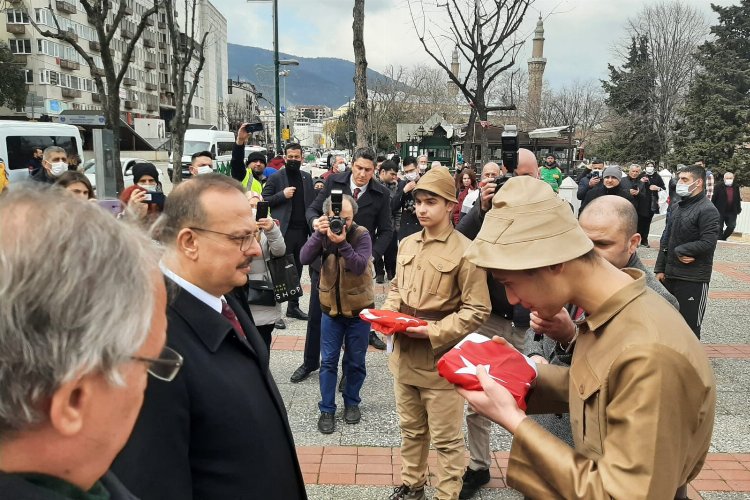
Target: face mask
{"points": [[411, 176], [649, 170], [683, 190], [293, 164], [58, 168], [255, 212], [422, 167], [205, 169], [729, 182], [149, 187]]}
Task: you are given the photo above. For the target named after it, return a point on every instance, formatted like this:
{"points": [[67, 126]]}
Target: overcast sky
{"points": [[580, 34]]}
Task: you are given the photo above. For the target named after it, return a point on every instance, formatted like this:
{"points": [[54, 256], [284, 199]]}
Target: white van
{"points": [[218, 142], [19, 139]]}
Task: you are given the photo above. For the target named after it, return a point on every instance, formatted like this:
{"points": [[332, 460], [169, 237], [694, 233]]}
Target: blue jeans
{"points": [[353, 333]]}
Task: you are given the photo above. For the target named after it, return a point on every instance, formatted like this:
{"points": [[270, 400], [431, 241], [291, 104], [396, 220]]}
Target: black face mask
{"points": [[293, 164]]}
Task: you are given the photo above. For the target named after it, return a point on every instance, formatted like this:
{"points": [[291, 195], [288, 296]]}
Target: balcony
{"points": [[165, 87], [162, 25], [162, 66], [95, 46], [16, 29], [20, 58], [129, 104], [126, 9], [150, 21], [150, 86], [127, 33], [68, 64], [148, 42], [73, 93], [97, 72], [149, 65], [151, 108], [95, 97], [129, 82], [66, 7], [162, 45]]}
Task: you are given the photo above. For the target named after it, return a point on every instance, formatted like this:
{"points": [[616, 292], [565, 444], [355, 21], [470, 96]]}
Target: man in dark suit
{"points": [[288, 194], [219, 429], [374, 213], [729, 204]]}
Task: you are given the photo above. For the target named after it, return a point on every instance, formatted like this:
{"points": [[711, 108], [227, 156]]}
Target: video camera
{"points": [[336, 223]]}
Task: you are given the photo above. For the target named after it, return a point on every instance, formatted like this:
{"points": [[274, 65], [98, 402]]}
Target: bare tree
{"points": [[360, 73], [580, 104], [484, 31], [238, 111], [106, 22], [184, 50], [673, 30]]}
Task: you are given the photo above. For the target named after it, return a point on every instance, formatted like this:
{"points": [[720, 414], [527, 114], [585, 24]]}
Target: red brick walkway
{"points": [[368, 466]]}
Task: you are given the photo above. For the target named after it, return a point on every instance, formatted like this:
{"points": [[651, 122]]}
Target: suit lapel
{"points": [[253, 337]]}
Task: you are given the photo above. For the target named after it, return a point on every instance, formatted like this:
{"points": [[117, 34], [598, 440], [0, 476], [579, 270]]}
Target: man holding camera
{"points": [[288, 192], [345, 289], [590, 180]]}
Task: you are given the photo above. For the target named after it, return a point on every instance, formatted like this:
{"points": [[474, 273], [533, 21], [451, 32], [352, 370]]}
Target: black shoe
{"points": [[391, 276], [352, 414], [326, 423], [403, 492], [342, 383], [300, 374], [473, 480], [380, 279], [293, 311], [376, 342], [279, 325]]}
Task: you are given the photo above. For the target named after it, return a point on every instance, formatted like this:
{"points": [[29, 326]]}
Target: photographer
{"points": [[345, 289], [590, 180]]}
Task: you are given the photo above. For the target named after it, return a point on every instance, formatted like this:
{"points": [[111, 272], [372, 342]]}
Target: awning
{"points": [[550, 132]]}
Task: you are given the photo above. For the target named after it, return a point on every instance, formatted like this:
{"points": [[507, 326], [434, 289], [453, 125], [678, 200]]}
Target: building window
{"points": [[20, 46], [41, 16], [16, 16], [29, 75]]}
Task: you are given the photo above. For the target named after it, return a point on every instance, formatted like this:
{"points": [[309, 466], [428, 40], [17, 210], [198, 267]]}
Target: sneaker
{"points": [[352, 414], [326, 422], [293, 311], [376, 342], [342, 383], [473, 480], [380, 279], [300, 374], [279, 324], [403, 492]]}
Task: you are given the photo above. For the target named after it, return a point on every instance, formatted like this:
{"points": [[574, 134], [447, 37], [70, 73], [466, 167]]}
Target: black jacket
{"points": [[642, 200], [374, 209], [280, 205], [15, 487], [720, 199], [601, 190], [219, 429], [693, 232], [403, 203], [41, 176]]}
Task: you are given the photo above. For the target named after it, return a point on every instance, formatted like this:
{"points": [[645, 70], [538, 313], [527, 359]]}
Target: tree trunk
{"points": [[469, 139], [360, 74], [112, 114], [484, 145]]}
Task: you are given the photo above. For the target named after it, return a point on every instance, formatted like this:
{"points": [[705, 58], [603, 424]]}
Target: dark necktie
{"points": [[228, 313], [356, 193]]}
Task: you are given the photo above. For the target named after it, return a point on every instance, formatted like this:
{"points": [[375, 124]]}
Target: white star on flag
{"points": [[470, 368]]}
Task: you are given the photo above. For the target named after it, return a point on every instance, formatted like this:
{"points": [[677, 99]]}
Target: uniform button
{"points": [[440, 267], [419, 268], [414, 289], [580, 389]]}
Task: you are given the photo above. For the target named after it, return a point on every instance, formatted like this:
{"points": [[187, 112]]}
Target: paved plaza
{"points": [[362, 461]]}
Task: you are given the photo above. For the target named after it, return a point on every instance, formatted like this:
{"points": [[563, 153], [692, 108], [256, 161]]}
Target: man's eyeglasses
{"points": [[165, 367], [244, 241]]}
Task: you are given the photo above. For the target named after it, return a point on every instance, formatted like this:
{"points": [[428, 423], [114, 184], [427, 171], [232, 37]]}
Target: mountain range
{"points": [[324, 81]]}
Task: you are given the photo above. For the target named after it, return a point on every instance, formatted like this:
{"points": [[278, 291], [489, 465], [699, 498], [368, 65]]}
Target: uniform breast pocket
{"points": [[585, 413], [402, 264], [442, 282]]}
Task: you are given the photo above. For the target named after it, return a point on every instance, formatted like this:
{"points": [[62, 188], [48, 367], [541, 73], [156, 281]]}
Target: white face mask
{"points": [[255, 212], [422, 167], [411, 176], [683, 190], [149, 187], [58, 168], [729, 182], [205, 169], [649, 170]]}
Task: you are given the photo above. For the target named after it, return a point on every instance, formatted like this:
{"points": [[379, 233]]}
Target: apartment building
{"points": [[59, 79]]}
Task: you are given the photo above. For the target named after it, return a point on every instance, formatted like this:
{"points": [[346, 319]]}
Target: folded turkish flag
{"points": [[505, 365], [389, 322]]}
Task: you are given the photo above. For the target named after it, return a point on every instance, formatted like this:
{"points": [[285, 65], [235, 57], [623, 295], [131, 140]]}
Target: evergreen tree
{"points": [[630, 93], [13, 88], [716, 125]]}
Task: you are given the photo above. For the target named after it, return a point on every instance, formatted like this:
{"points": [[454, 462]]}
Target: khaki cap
{"points": [[528, 227], [440, 182]]}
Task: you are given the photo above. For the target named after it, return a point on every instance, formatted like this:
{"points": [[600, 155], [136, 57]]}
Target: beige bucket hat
{"points": [[440, 182], [528, 227]]}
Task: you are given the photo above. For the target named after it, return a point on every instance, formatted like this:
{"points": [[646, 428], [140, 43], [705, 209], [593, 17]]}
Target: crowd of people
{"points": [[616, 346]]}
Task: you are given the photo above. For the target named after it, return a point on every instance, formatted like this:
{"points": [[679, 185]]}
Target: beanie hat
{"points": [[256, 156], [612, 172], [144, 168]]}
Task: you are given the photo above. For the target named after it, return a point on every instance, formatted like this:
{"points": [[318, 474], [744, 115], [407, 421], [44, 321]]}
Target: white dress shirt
{"points": [[211, 301], [353, 186]]}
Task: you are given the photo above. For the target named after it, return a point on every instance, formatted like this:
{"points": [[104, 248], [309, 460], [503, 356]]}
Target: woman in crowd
{"points": [[77, 184], [136, 197], [272, 243], [468, 188]]}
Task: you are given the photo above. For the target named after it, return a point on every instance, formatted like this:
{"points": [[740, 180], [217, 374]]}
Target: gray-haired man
{"points": [[54, 164], [73, 360]]}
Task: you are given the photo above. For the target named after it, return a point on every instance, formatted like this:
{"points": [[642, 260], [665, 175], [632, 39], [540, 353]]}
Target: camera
{"points": [[509, 144], [335, 223]]}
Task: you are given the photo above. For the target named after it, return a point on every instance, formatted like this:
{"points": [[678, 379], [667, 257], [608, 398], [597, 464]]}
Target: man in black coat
{"points": [[219, 429], [374, 213], [638, 187], [288, 193], [403, 201], [610, 185], [729, 204]]}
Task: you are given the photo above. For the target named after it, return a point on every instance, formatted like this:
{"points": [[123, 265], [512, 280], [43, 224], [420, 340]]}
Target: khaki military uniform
{"points": [[642, 397], [433, 281]]}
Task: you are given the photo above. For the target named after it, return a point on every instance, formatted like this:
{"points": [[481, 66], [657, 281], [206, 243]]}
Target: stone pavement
{"points": [[362, 461]]}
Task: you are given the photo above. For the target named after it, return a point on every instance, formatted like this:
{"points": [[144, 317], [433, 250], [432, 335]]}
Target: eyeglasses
{"points": [[244, 241], [165, 367]]}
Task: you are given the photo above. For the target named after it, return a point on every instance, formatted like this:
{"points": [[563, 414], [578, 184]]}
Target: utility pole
{"points": [[276, 71]]}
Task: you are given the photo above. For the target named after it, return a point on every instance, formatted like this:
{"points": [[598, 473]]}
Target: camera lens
{"points": [[336, 225]]}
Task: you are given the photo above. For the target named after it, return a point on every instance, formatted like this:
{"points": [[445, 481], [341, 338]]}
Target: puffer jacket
{"points": [[693, 232]]}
